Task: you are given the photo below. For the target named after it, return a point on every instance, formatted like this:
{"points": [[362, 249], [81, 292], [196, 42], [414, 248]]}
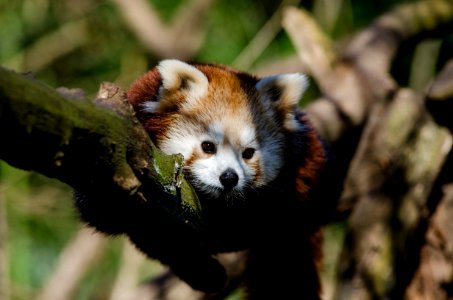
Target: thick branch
{"points": [[90, 146], [398, 160], [357, 76], [346, 92], [313, 47]]}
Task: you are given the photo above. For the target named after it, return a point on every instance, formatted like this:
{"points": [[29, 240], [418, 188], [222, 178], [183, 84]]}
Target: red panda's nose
{"points": [[229, 178]]}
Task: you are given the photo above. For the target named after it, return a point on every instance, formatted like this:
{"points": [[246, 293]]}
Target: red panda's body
{"points": [[253, 159], [253, 133]]}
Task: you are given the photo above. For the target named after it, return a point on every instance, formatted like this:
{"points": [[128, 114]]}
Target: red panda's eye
{"points": [[208, 147], [248, 153]]}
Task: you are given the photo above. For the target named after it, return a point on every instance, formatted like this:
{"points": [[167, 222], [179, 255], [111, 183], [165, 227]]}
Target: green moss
{"points": [[77, 141]]}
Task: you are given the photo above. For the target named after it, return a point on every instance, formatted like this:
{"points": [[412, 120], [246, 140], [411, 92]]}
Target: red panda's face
{"points": [[229, 126]]}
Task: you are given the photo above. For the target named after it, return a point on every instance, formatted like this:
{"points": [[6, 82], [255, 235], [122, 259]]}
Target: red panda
{"points": [[252, 157]]}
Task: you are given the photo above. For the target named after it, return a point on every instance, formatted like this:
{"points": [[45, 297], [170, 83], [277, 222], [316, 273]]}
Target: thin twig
{"points": [[263, 38], [76, 259], [328, 12], [128, 274], [181, 38], [50, 47], [442, 86]]}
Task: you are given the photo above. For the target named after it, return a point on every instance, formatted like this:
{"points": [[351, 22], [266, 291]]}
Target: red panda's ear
{"points": [[179, 81], [184, 80], [284, 92]]}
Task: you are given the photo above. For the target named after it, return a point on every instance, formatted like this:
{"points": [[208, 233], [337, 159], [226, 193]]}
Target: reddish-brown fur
{"points": [[314, 162]]}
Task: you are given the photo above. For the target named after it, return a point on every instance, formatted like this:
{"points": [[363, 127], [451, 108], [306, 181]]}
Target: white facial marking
{"points": [[183, 140], [207, 171], [248, 137], [207, 168]]}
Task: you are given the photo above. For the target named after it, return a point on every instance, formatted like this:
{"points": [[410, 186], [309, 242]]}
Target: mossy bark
{"points": [[90, 144]]}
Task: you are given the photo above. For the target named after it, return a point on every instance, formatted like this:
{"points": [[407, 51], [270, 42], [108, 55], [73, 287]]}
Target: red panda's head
{"points": [[229, 126]]}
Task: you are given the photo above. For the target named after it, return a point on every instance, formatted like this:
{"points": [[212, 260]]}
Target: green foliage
{"points": [[40, 221]]}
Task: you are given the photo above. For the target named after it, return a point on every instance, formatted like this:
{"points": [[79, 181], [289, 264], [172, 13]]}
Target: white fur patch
{"points": [[150, 106], [181, 143], [294, 85]]}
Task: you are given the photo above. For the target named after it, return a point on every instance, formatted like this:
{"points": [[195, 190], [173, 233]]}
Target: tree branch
{"points": [[390, 179], [91, 146], [401, 150], [376, 46], [357, 76], [442, 87]]}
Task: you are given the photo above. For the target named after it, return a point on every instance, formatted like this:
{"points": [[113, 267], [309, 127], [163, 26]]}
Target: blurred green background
{"points": [[79, 44]]}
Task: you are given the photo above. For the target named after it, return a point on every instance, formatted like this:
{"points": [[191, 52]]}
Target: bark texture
{"points": [[89, 144]]}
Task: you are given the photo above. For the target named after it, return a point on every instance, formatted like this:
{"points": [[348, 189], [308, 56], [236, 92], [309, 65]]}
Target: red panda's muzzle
{"points": [[229, 179]]}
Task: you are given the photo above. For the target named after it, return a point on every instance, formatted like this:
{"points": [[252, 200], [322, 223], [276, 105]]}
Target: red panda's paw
{"points": [[202, 273]]}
